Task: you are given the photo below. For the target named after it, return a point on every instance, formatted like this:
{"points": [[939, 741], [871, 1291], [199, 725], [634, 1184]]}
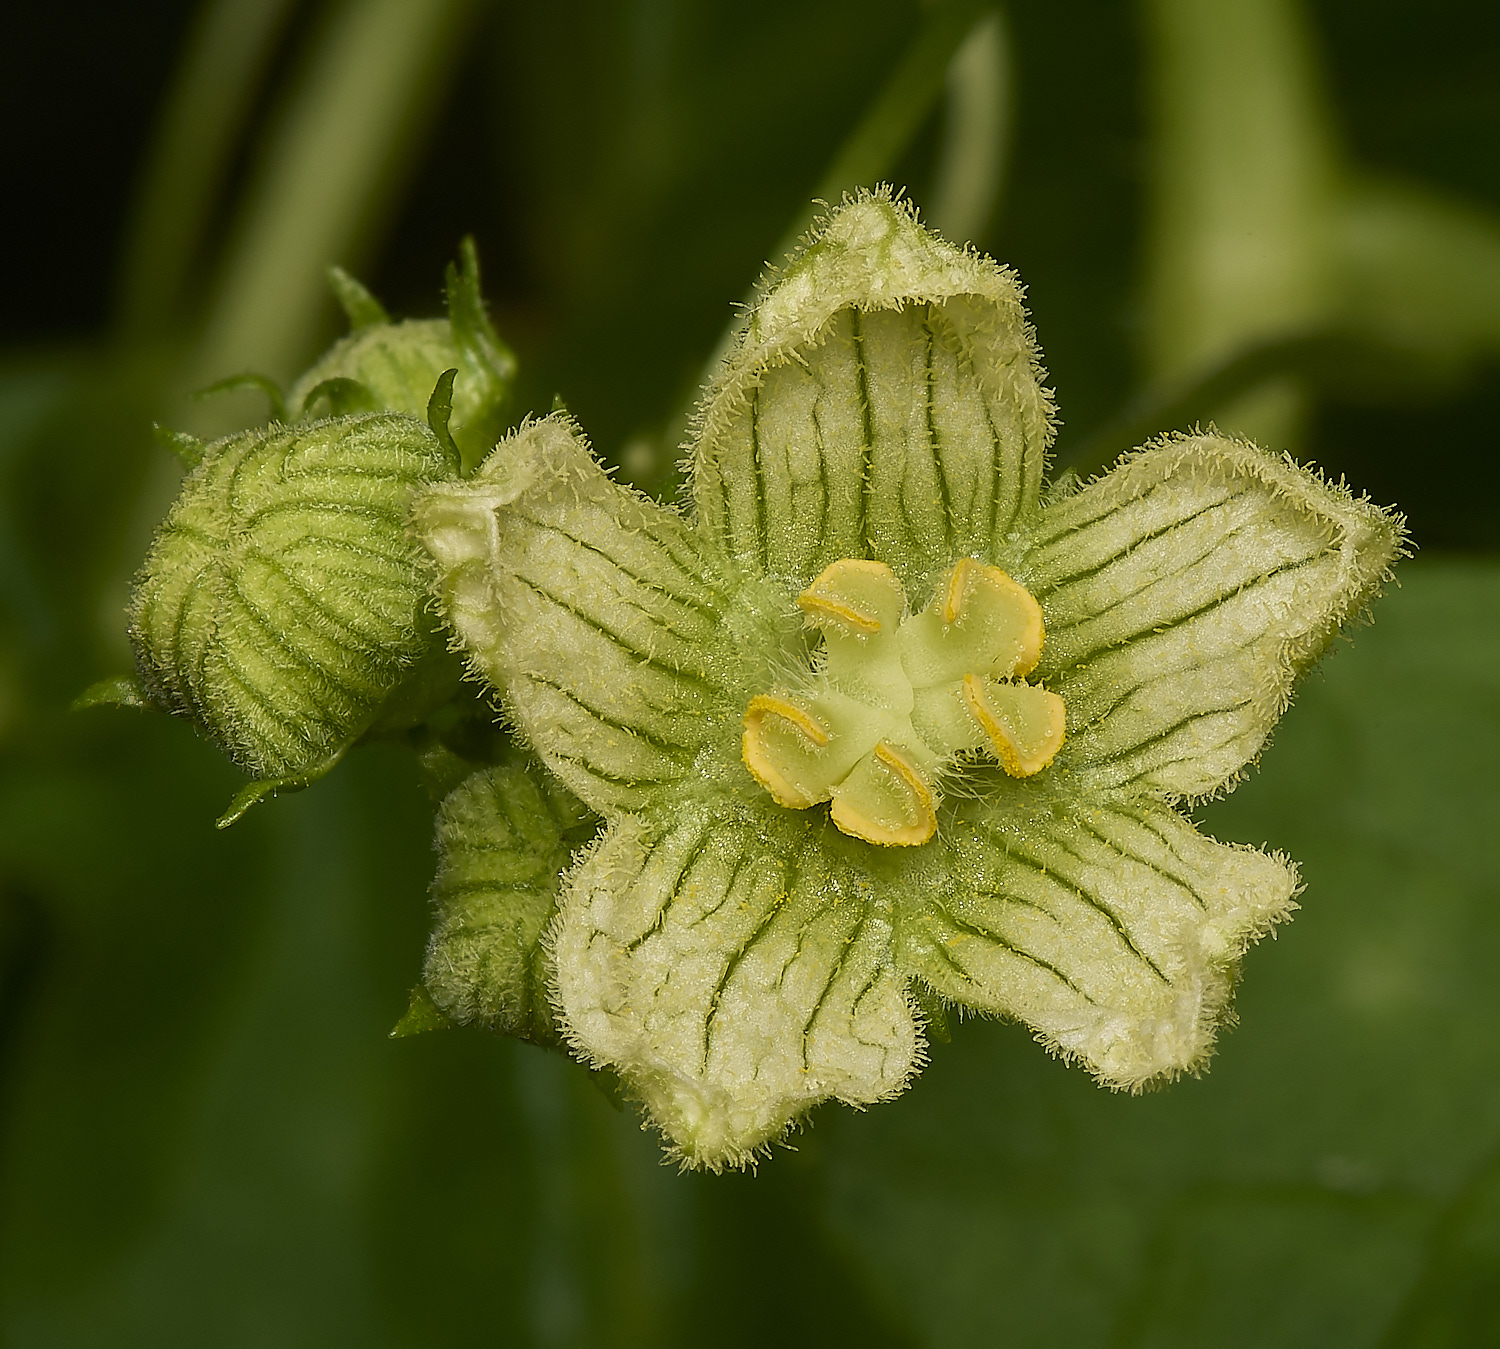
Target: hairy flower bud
{"points": [[505, 836], [386, 366], [282, 600]]}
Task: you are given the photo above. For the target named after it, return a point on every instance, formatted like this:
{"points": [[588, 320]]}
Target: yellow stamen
{"points": [[913, 802], [758, 756], [1046, 738], [969, 573], [843, 592]]}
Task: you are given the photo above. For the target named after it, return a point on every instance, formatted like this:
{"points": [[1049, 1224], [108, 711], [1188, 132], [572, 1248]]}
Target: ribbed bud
{"points": [[505, 835], [282, 600]]}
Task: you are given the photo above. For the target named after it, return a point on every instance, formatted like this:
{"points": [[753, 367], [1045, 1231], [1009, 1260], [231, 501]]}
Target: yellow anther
{"points": [[967, 576], [897, 699], [858, 595], [885, 800], [957, 588], [768, 713], [1025, 724]]}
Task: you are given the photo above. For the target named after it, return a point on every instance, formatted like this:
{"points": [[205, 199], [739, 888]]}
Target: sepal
{"points": [[251, 382], [123, 691], [397, 364], [268, 789], [360, 307], [421, 1016]]}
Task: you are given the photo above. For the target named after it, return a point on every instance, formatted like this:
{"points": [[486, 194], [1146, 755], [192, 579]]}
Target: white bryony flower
{"points": [[879, 724]]}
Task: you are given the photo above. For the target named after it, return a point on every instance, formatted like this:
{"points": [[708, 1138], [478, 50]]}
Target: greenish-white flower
{"points": [[1004, 696]]}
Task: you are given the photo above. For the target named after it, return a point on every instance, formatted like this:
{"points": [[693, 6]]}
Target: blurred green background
{"points": [[1284, 217]]}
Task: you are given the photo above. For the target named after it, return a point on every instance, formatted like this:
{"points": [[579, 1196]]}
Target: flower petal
{"points": [[884, 401], [1111, 930], [733, 979], [589, 607], [504, 834], [1184, 593]]}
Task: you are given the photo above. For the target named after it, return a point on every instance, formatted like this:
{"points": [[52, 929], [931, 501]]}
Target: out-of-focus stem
{"points": [[976, 133], [223, 65], [330, 169], [1242, 188], [872, 148]]}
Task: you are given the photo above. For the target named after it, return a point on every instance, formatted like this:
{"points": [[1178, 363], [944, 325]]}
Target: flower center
{"points": [[896, 699]]}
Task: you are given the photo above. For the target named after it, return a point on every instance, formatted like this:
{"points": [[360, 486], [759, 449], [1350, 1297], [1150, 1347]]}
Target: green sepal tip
{"points": [[238, 383], [440, 412], [470, 322], [187, 449], [422, 1014], [252, 794], [609, 1085], [345, 397], [934, 1011], [360, 307], [124, 691]]}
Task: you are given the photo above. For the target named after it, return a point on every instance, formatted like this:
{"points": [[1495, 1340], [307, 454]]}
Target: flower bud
{"points": [[505, 836], [386, 366], [282, 599]]}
